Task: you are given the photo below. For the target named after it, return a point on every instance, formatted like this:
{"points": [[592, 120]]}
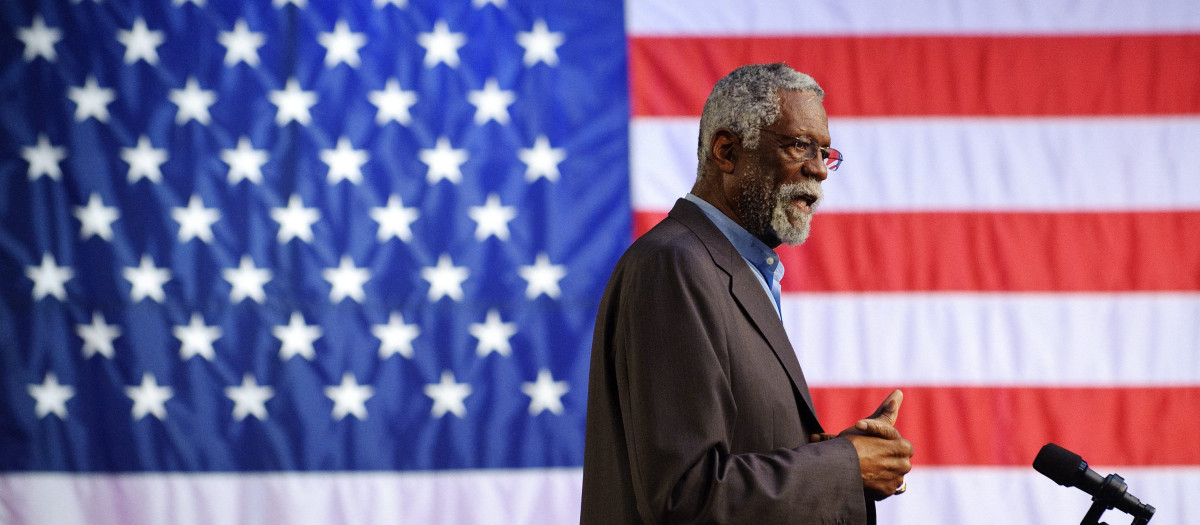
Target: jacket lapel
{"points": [[748, 292]]}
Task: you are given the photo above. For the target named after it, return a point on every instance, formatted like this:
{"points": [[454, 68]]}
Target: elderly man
{"points": [[698, 411]]}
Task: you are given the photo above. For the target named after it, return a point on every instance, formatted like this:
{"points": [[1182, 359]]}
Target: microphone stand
{"points": [[1107, 497]]}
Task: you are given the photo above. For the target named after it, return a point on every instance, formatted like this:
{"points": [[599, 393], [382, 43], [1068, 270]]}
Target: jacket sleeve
{"points": [[671, 353]]}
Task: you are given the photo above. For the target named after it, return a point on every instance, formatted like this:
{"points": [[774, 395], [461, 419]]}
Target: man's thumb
{"points": [[889, 410]]}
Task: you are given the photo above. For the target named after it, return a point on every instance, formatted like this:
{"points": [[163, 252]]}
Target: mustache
{"points": [[808, 190]]}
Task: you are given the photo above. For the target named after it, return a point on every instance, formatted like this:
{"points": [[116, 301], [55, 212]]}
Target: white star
{"points": [[541, 160], [441, 45], [51, 397], [346, 281], [345, 162], [482, 3], [341, 45], [196, 338], [444, 162], [250, 399], [298, 3], [493, 335], [392, 103], [247, 281], [91, 100], [241, 44], [140, 43], [395, 337], [149, 398], [492, 218], [96, 218], [448, 396], [542, 277], [145, 161], [39, 40], [445, 279], [296, 338], [384, 3], [295, 221], [193, 102], [198, 3], [545, 394], [98, 336], [245, 162], [491, 103], [43, 158], [349, 398], [49, 278], [540, 44], [293, 103], [146, 280], [195, 221], [394, 220]]}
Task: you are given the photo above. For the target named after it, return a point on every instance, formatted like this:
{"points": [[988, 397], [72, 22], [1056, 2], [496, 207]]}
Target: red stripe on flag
{"points": [[992, 252], [936, 75], [1006, 426], [644, 220]]}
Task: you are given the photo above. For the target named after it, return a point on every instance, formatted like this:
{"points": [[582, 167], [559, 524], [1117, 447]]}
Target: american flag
{"points": [[316, 262], [303, 262]]}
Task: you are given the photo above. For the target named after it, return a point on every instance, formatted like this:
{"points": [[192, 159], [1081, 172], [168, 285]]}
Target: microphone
{"points": [[1070, 470]]}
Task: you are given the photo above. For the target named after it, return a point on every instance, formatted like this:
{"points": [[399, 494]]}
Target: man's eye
{"points": [[800, 147]]}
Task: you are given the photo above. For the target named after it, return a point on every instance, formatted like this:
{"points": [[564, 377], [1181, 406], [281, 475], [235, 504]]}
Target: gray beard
{"points": [[769, 214], [790, 224]]}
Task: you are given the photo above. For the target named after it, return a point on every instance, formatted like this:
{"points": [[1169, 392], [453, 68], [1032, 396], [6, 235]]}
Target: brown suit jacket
{"points": [[698, 411]]}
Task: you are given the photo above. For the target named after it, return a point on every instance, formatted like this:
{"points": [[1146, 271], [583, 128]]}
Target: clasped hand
{"points": [[883, 455]]}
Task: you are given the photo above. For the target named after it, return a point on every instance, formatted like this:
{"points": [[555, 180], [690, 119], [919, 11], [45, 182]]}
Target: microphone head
{"points": [[1059, 464]]}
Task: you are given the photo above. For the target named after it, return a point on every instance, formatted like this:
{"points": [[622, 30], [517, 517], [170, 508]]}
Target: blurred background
{"points": [[303, 261]]}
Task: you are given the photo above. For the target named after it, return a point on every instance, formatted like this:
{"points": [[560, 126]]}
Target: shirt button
{"points": [[770, 260]]}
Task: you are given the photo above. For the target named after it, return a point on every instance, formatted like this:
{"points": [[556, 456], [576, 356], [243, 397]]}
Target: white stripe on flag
{"points": [[511, 497], [955, 164], [1060, 339], [1007, 496], [786, 17], [979, 496]]}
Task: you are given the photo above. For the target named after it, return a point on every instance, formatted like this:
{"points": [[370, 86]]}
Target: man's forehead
{"points": [[801, 103], [803, 112], [801, 95]]}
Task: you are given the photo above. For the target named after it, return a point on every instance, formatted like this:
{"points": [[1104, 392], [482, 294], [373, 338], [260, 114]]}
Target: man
{"points": [[698, 411]]}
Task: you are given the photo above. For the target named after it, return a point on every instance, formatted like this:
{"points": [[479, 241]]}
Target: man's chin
{"points": [[791, 233], [795, 240]]}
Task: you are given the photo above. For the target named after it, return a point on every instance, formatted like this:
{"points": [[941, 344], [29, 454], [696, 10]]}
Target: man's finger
{"points": [[878, 428], [889, 410]]}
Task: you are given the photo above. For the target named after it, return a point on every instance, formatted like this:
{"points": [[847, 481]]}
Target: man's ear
{"points": [[724, 150]]}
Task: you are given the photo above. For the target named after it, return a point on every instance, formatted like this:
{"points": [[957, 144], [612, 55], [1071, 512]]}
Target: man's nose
{"points": [[816, 169]]}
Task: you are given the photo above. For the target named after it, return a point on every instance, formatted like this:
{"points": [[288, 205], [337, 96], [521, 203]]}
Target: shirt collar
{"points": [[756, 252]]}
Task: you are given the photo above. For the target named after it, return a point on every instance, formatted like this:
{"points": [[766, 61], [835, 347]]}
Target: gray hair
{"points": [[747, 99]]}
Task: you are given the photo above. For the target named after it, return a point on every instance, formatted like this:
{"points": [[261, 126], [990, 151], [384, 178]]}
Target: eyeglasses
{"points": [[803, 150]]}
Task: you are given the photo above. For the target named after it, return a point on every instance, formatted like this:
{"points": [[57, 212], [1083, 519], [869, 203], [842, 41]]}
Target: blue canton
{"points": [[290, 235]]}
